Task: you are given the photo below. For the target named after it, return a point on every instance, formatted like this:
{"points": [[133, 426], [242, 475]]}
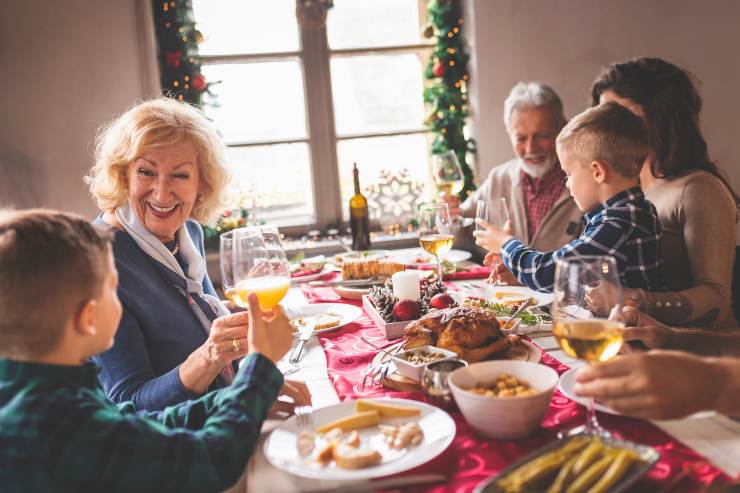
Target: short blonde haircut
{"points": [[150, 124], [610, 133]]}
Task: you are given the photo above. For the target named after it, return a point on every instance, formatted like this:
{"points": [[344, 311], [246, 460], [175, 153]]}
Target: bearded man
{"points": [[541, 210]]}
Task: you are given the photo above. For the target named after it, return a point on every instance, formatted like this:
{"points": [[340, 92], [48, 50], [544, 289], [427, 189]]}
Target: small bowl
{"points": [[414, 370], [504, 417]]}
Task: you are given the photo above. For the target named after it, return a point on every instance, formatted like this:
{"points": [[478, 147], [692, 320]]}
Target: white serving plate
{"points": [[437, 426]]}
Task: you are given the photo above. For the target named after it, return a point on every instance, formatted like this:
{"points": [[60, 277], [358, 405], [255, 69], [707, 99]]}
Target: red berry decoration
{"points": [[199, 82], [439, 69], [441, 301], [405, 310]]}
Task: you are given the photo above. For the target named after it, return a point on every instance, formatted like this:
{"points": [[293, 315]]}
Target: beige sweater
{"points": [[698, 216], [559, 226]]}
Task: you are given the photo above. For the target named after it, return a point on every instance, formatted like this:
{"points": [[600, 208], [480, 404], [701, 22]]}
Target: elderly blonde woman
{"points": [[159, 168]]}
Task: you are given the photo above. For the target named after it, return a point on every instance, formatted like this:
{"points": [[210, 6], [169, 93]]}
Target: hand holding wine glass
{"points": [[257, 270], [592, 334], [447, 173], [435, 231], [497, 214]]}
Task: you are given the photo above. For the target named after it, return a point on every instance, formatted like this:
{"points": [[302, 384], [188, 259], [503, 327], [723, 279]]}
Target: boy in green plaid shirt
{"points": [[58, 431]]}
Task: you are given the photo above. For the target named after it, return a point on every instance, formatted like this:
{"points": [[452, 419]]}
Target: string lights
{"points": [[446, 94]]}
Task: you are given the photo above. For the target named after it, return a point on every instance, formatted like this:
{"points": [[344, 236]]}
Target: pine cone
{"points": [[432, 289], [383, 301]]}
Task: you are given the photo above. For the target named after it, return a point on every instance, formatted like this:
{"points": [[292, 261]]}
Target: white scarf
{"points": [[153, 247]]}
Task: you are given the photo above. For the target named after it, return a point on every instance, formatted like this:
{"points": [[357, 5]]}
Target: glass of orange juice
{"points": [[257, 269]]}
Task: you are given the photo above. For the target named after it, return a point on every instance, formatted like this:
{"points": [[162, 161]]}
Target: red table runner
{"points": [[473, 458]]}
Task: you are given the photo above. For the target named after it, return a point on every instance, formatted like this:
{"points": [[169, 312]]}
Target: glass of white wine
{"points": [[447, 173], [585, 331], [496, 213], [256, 271], [436, 231]]}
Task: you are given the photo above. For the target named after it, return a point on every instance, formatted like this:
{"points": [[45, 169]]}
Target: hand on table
{"points": [[499, 272], [298, 394], [645, 331], [654, 385], [492, 237]]}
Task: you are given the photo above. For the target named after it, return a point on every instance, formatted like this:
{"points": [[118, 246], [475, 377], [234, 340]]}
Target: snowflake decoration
{"points": [[393, 197]]}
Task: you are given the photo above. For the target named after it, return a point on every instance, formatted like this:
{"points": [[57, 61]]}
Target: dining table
{"points": [[695, 453]]}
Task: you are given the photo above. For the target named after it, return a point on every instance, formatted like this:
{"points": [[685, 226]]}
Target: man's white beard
{"points": [[538, 170]]}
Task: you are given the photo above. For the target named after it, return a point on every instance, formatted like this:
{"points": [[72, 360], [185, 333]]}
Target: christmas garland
{"points": [[446, 94], [177, 39]]}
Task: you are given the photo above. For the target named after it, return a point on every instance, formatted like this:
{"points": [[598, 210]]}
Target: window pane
{"points": [[373, 23], [238, 27], [276, 180], [378, 155], [257, 101], [377, 93]]}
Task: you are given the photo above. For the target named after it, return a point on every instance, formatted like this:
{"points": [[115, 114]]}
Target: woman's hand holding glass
{"points": [[258, 269]]}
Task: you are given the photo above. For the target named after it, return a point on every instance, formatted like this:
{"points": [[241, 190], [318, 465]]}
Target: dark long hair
{"points": [[671, 105]]}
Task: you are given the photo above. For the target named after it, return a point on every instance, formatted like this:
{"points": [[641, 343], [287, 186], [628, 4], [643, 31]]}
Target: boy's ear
{"points": [[83, 323], [599, 169]]}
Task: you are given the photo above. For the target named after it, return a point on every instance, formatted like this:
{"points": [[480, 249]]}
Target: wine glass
{"points": [[435, 231], [278, 257], [226, 260], [497, 214], [586, 312], [256, 271], [447, 173]]}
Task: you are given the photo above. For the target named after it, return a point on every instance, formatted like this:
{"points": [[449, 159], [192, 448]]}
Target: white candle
{"points": [[406, 285]]}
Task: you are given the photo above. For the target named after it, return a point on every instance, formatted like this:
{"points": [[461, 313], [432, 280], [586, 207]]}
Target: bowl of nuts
{"points": [[503, 399], [411, 363]]}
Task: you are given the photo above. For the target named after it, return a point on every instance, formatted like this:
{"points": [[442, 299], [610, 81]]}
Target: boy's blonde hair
{"points": [[51, 263], [609, 133], [150, 124]]}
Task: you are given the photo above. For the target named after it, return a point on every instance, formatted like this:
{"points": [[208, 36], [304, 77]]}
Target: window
{"points": [[297, 107]]}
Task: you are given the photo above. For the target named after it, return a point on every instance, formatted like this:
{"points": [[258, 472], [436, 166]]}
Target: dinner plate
{"points": [[419, 258], [346, 313], [312, 277], [513, 293], [437, 426], [568, 382]]}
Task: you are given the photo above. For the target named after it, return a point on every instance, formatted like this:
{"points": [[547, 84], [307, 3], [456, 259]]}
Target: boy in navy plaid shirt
{"points": [[59, 432], [601, 151]]}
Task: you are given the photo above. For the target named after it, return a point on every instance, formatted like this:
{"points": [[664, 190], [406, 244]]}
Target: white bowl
{"points": [[414, 370], [503, 417]]}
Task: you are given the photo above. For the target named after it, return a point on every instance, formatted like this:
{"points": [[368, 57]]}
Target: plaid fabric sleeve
{"points": [[200, 445], [536, 269]]}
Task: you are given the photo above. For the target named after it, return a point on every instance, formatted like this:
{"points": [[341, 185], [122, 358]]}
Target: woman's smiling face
{"points": [[163, 187]]}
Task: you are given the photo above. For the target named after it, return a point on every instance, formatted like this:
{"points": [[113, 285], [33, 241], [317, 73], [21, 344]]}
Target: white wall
{"points": [[565, 43], [67, 66]]}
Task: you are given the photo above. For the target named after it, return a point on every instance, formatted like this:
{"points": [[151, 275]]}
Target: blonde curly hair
{"points": [[150, 124]]}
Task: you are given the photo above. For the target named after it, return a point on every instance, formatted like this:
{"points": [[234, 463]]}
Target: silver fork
{"points": [[304, 417]]}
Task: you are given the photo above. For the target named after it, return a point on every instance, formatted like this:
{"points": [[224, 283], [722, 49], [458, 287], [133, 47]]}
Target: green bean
{"points": [[563, 476], [616, 471], [588, 456], [590, 475]]}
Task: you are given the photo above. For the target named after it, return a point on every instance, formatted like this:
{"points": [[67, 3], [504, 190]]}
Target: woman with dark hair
{"points": [[695, 202]]}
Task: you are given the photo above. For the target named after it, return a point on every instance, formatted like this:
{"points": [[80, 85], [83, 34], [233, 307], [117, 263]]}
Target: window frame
{"points": [[314, 57]]}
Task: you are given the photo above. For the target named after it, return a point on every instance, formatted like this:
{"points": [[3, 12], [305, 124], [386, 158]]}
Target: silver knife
{"points": [[305, 332], [383, 484]]}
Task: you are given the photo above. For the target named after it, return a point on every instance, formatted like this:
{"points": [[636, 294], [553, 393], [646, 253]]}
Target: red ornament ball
{"points": [[441, 301], [199, 82], [405, 310], [439, 69]]}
